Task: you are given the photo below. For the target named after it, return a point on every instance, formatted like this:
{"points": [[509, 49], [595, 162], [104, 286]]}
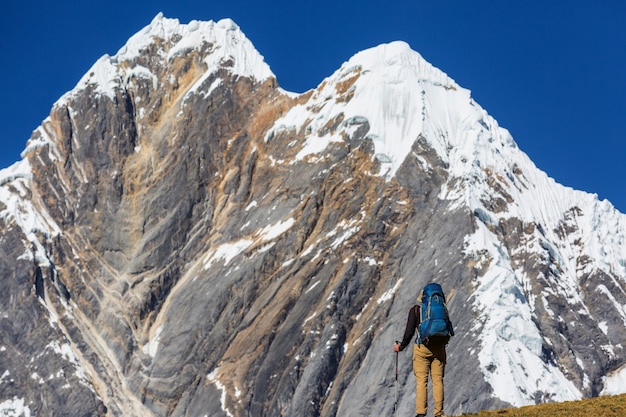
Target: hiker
{"points": [[434, 329]]}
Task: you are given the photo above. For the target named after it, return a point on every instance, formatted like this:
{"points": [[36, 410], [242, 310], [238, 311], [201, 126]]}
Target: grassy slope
{"points": [[596, 407]]}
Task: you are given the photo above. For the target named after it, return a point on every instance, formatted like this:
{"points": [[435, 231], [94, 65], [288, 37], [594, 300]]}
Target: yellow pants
{"points": [[429, 361]]}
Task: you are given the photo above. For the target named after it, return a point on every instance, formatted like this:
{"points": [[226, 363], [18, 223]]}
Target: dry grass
{"points": [[597, 407]]}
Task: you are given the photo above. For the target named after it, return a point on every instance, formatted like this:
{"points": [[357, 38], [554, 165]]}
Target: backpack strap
{"points": [[418, 316]]}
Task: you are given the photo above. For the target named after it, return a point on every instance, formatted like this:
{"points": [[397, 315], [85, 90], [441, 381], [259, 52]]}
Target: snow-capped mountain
{"points": [[184, 237]]}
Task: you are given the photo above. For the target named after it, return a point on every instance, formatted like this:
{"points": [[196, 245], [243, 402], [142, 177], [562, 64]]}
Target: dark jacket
{"points": [[411, 325]]}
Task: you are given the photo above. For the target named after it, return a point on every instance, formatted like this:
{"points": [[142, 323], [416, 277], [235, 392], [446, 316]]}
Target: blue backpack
{"points": [[435, 328]]}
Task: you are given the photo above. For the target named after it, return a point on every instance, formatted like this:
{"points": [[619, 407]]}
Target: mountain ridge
{"points": [[202, 240]]}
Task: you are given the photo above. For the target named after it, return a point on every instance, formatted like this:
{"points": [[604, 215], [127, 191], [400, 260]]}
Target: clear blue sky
{"points": [[552, 72]]}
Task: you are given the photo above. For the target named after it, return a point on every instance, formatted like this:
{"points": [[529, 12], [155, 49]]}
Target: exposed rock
{"points": [[185, 252]]}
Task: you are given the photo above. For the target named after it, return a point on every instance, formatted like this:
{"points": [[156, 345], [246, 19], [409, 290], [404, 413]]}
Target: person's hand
{"points": [[396, 347]]}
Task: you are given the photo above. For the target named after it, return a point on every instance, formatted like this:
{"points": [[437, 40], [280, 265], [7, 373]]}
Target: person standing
{"points": [[430, 319]]}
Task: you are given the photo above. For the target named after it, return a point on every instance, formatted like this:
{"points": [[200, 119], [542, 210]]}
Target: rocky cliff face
{"points": [[185, 238]]}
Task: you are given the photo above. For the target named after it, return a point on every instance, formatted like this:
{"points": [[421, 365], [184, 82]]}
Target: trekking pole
{"points": [[395, 405]]}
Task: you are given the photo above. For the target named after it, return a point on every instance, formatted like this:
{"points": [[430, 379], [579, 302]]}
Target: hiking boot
{"points": [[420, 415]]}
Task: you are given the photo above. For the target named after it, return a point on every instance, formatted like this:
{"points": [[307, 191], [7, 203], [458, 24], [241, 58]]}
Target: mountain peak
{"points": [[398, 54], [387, 87], [202, 241], [222, 44]]}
